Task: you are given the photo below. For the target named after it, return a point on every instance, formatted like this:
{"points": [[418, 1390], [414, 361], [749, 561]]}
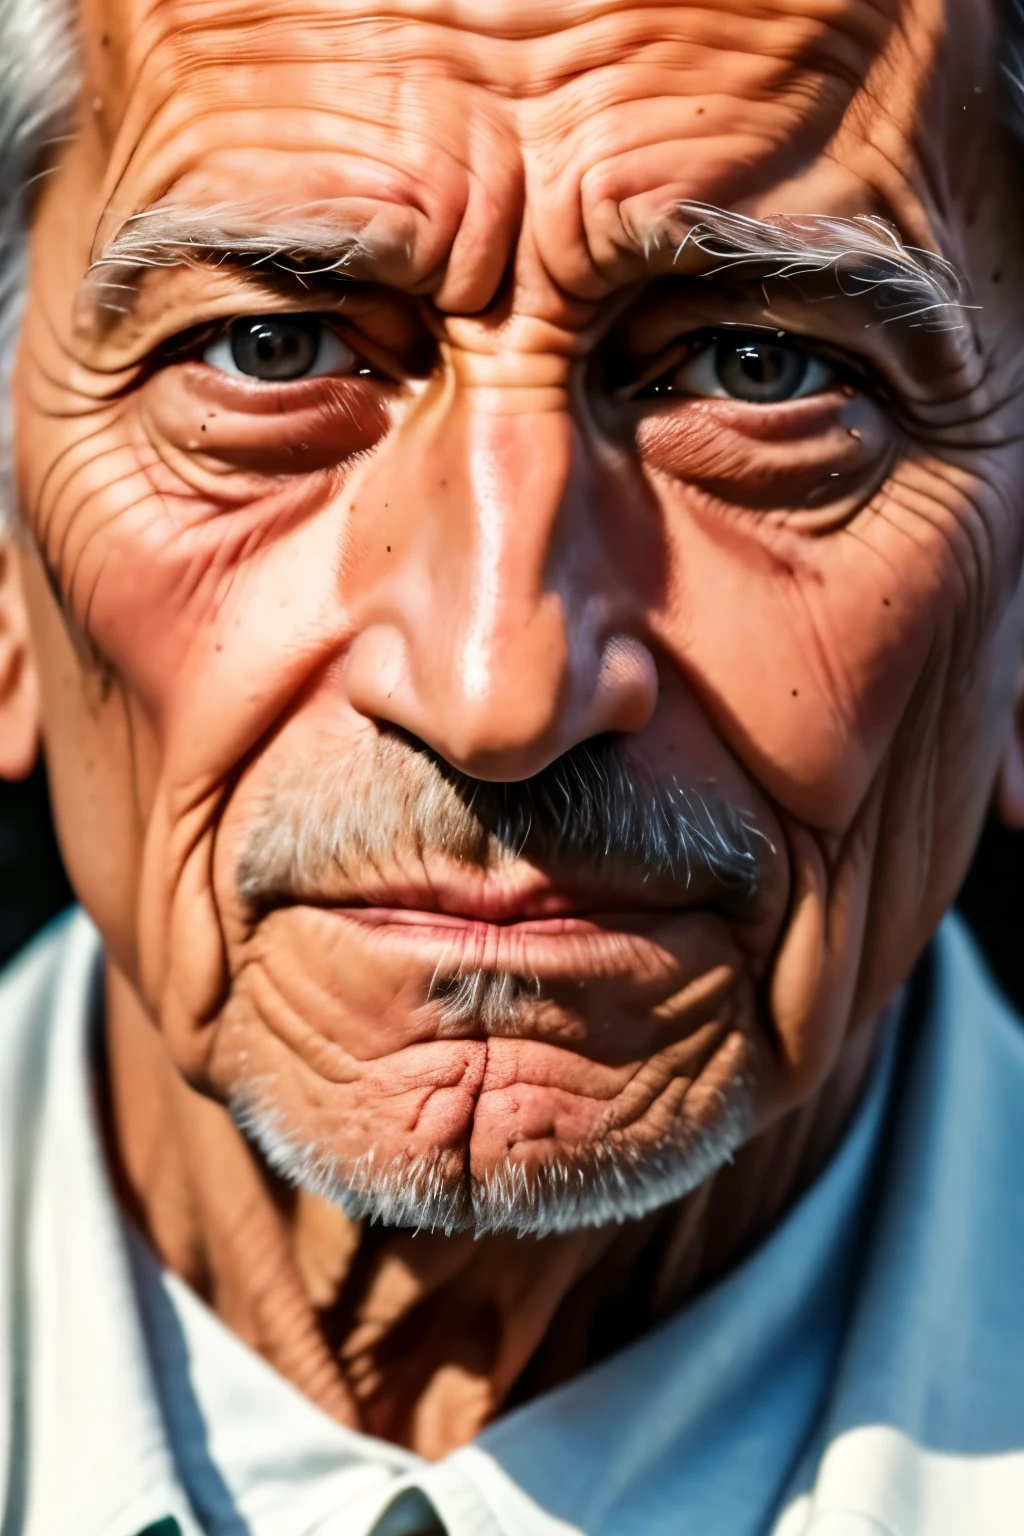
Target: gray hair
{"points": [[38, 84], [607, 1183], [38, 81], [594, 809]]}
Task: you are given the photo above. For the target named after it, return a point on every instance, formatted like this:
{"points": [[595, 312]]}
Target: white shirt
{"points": [[860, 1374]]}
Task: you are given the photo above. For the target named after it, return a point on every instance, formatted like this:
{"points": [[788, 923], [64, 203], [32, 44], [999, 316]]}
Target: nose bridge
{"points": [[519, 467], [480, 628]]}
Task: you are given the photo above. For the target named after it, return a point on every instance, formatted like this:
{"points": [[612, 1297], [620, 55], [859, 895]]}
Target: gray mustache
{"points": [[593, 809]]}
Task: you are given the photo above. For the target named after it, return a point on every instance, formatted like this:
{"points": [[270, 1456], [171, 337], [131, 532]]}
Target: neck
{"points": [[422, 1339]]}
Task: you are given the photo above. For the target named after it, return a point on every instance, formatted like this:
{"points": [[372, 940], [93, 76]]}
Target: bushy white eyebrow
{"points": [[867, 254], [305, 243], [869, 258]]}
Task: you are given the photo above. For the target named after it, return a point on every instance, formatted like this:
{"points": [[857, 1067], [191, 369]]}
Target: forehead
{"points": [[445, 126]]}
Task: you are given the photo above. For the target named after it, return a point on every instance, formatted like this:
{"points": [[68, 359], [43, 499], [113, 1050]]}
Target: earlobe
{"points": [[19, 685]]}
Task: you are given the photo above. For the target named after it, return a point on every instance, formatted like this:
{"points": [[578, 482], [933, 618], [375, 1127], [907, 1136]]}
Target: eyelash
{"points": [[189, 345], [650, 386]]}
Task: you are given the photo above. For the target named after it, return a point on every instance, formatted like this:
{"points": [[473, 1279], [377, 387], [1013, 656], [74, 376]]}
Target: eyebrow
{"points": [[870, 260], [290, 241], [868, 256]]}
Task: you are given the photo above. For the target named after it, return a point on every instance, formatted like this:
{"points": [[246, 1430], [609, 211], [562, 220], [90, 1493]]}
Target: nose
{"points": [[489, 618]]}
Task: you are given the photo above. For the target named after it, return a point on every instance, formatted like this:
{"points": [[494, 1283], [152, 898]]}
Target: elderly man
{"points": [[513, 550]]}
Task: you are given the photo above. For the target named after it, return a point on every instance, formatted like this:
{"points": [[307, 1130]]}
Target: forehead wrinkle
{"points": [[540, 20], [582, 83], [519, 66], [515, 61], [185, 48]]}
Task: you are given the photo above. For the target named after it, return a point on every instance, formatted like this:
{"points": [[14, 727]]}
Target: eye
{"points": [[279, 348], [763, 370]]}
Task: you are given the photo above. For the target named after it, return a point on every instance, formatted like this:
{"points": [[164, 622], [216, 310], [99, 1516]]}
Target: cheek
{"points": [[101, 768], [807, 650], [159, 515], [219, 642], [212, 611]]}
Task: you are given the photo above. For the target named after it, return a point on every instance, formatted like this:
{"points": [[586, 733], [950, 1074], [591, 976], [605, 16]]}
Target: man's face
{"points": [[417, 437]]}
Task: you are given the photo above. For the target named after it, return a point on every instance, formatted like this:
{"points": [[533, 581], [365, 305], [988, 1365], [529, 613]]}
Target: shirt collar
{"points": [[99, 1456], [252, 1451]]}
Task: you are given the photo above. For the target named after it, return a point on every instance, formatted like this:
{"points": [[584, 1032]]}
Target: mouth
{"points": [[424, 949], [461, 924], [559, 941], [616, 986], [569, 945], [442, 896]]}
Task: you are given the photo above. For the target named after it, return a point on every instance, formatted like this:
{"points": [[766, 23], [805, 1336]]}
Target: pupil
{"points": [[275, 348], [761, 364], [760, 371]]}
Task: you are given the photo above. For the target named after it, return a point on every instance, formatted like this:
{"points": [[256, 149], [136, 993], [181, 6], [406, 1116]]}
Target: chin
{"points": [[616, 1179]]}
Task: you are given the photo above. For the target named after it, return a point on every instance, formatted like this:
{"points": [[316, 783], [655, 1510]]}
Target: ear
{"points": [[19, 684]]}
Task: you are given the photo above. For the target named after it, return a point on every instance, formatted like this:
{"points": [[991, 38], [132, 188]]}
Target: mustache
{"points": [[593, 810]]}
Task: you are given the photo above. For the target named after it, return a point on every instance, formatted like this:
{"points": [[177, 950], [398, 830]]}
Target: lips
{"points": [[561, 935], [539, 907], [569, 923], [616, 987], [439, 894]]}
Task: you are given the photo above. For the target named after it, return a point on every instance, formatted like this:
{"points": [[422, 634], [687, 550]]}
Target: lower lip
{"points": [[447, 922], [643, 949]]}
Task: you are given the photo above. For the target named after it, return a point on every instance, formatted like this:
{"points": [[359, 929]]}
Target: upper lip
{"points": [[518, 893]]}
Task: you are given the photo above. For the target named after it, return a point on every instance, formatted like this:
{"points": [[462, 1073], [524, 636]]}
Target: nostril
{"points": [[627, 686]]}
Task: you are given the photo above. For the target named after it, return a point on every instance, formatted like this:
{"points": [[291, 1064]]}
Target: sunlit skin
{"points": [[497, 539]]}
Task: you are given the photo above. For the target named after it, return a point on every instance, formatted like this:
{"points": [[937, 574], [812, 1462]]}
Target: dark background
{"points": [[33, 886]]}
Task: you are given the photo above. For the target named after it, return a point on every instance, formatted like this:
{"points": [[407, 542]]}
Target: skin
{"points": [[224, 587]]}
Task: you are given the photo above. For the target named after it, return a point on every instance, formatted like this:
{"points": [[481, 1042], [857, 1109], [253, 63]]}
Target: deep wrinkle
{"points": [[488, 552]]}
